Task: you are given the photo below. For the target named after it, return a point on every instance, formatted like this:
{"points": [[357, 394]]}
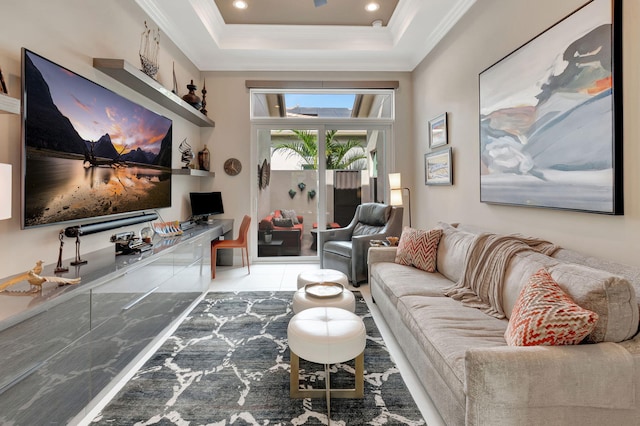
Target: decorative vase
{"points": [[191, 98], [206, 155]]}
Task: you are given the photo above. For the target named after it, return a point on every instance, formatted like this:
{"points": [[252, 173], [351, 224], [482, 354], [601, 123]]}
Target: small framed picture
{"points": [[437, 168], [438, 131]]}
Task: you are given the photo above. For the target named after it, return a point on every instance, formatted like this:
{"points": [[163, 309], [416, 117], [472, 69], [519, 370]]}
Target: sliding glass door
{"points": [[311, 174]]}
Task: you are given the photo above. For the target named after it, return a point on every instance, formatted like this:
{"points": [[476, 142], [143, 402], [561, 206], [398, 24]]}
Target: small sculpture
{"points": [[174, 89], [204, 158], [191, 98], [59, 267], [149, 51], [204, 97], [186, 153], [35, 280]]}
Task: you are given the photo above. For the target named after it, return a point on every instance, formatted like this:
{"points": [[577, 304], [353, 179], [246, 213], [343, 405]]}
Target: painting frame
{"points": [[438, 167], [550, 117], [438, 133]]}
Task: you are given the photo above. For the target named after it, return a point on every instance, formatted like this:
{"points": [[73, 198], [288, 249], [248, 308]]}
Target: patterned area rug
{"points": [[228, 363]]}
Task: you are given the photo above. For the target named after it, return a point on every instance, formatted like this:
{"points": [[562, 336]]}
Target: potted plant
{"points": [[268, 234]]}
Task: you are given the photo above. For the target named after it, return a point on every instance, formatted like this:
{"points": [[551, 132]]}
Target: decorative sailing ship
{"points": [[149, 48]]}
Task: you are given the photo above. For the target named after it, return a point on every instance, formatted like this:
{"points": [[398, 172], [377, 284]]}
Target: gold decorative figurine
{"points": [[35, 280]]}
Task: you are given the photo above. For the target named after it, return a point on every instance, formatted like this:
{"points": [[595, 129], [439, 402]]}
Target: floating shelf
{"points": [[192, 172], [9, 105], [132, 77]]}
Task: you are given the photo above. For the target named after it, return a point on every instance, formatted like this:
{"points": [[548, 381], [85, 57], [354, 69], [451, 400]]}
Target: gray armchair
{"points": [[345, 249]]}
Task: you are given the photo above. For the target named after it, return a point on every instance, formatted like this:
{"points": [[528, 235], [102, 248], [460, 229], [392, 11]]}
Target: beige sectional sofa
{"points": [[463, 361]]}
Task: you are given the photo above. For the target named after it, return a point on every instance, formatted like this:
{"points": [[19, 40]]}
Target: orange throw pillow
{"points": [[418, 248], [545, 315]]}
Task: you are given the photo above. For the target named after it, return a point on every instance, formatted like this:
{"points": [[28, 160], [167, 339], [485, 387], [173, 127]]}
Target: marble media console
{"points": [[62, 347]]}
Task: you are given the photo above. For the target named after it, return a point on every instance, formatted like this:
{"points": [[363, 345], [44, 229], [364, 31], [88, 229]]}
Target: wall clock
{"points": [[232, 166]]}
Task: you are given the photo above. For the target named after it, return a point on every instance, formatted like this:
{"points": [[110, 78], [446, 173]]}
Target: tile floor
{"points": [[283, 277]]}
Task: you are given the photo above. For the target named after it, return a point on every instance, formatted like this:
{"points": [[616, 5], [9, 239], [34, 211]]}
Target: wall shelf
{"points": [[132, 77], [9, 105], [193, 172]]}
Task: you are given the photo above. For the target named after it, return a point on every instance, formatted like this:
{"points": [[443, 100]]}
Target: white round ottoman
{"points": [[302, 300], [326, 336], [322, 276]]}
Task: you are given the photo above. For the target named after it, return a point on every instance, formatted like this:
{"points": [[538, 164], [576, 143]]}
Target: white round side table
{"points": [[321, 276]]}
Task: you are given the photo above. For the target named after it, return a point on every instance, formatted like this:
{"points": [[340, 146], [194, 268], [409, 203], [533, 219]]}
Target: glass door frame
{"points": [[321, 126]]}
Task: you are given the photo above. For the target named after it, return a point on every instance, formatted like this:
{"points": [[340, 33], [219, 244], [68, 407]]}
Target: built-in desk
{"points": [[62, 347]]}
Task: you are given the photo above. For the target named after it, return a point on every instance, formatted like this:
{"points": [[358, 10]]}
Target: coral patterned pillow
{"points": [[418, 248], [545, 315]]}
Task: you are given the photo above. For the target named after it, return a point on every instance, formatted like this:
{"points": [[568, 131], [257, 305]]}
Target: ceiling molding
{"points": [[198, 30], [446, 24]]}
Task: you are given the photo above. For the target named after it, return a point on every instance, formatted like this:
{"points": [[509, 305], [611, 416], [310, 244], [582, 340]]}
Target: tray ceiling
{"points": [[296, 36]]}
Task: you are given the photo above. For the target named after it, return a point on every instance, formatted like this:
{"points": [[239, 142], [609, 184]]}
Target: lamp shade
{"points": [[395, 181], [396, 197], [5, 191]]}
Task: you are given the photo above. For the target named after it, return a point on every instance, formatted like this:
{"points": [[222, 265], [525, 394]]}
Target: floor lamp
{"points": [[395, 185]]}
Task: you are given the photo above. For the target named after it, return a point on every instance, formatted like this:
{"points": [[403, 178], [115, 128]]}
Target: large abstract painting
{"points": [[550, 120]]}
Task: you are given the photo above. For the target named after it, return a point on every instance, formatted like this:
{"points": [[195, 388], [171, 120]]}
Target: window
{"points": [[322, 104]]}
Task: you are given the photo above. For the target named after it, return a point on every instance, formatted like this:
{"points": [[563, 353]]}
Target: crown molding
{"points": [[198, 30]]}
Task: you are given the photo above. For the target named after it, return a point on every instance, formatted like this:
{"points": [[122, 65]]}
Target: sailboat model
{"points": [[149, 47]]}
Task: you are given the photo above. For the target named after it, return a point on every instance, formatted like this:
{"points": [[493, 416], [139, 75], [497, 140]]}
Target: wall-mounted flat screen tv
{"points": [[87, 151]]}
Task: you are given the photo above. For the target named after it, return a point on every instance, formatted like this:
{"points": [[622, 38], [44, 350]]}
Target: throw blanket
{"points": [[480, 285]]}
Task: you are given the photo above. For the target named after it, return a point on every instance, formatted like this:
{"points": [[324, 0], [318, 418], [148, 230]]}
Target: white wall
{"points": [[228, 102], [447, 80], [71, 33]]}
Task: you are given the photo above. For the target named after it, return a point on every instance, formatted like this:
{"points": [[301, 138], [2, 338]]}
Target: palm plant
{"points": [[338, 154]]}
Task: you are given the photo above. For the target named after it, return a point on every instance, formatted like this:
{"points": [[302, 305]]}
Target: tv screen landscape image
{"points": [[87, 151]]}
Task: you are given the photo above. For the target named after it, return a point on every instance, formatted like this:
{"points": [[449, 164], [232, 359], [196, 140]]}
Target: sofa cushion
{"points": [[283, 222], [545, 315], [342, 248], [610, 296], [364, 229], [290, 214], [398, 280], [418, 248], [452, 251], [631, 273], [374, 214], [446, 330]]}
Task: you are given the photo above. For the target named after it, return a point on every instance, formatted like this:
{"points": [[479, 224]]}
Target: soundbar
{"points": [[92, 228]]}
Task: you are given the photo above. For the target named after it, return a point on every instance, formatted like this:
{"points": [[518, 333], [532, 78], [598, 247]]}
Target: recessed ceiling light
{"points": [[372, 7], [240, 4]]}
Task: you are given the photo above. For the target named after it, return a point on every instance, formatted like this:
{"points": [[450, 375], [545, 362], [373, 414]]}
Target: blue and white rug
{"points": [[228, 364]]}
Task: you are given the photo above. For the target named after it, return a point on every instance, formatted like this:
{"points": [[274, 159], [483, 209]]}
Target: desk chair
{"points": [[240, 242]]}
